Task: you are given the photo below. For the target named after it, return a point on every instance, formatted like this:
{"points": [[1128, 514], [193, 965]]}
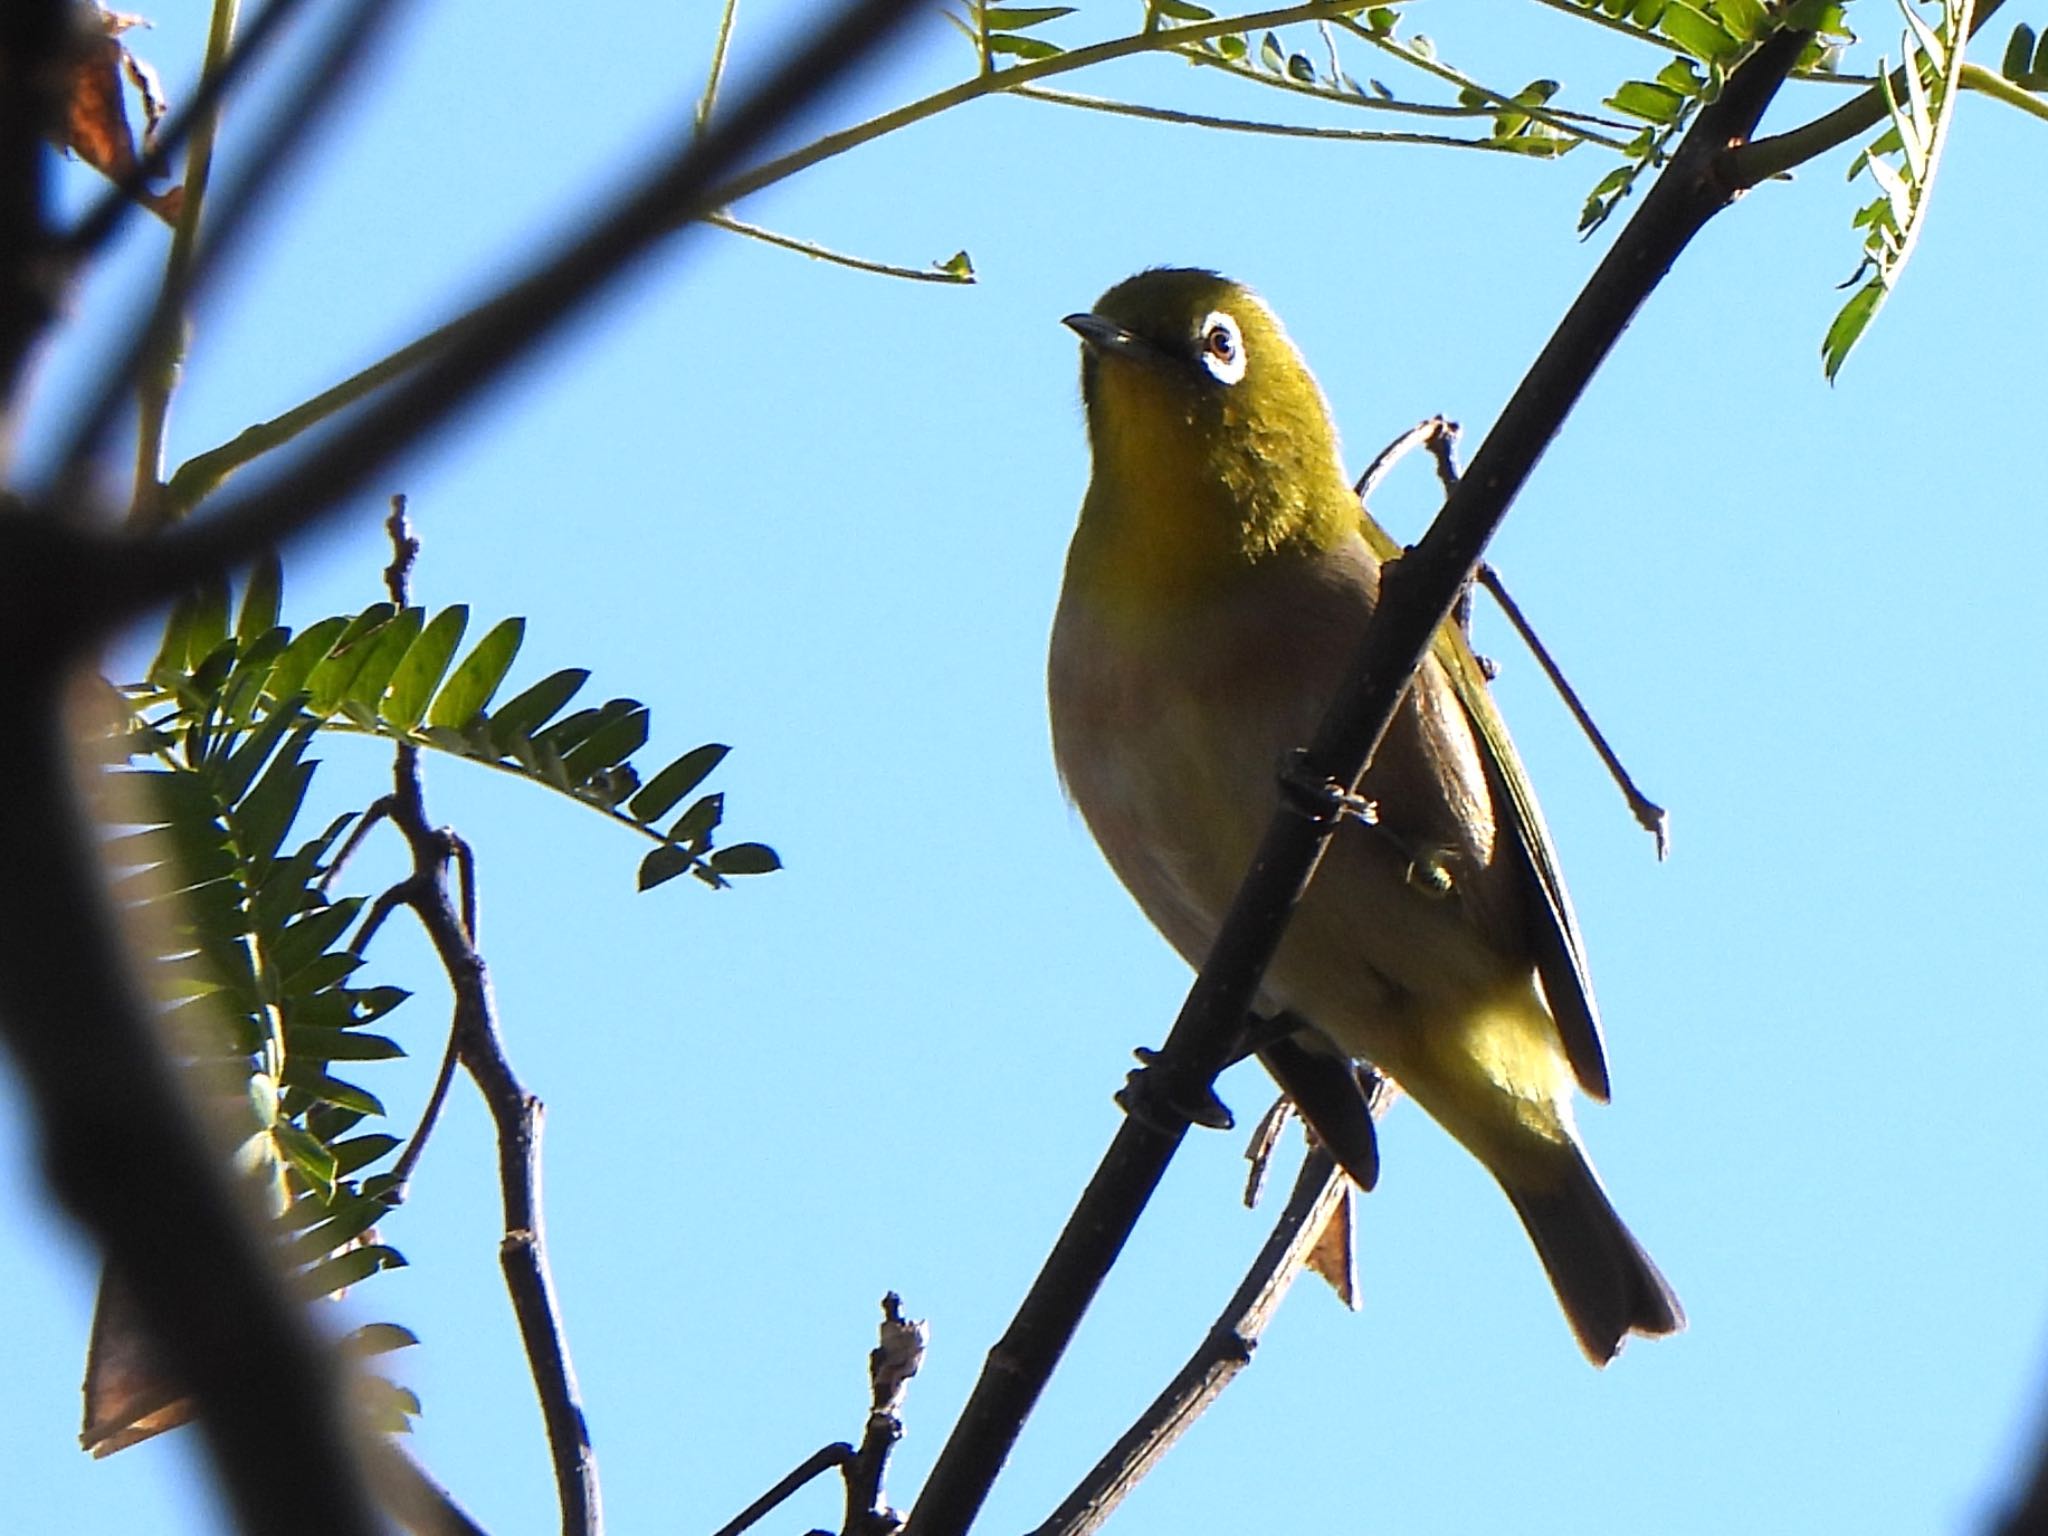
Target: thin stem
{"points": [[1611, 23], [1226, 1349], [430, 1116], [731, 225], [716, 75], [815, 1465], [516, 1114], [1652, 817], [1990, 83], [200, 476], [1165, 39], [1572, 123], [1778, 153], [163, 356], [1250, 125]]}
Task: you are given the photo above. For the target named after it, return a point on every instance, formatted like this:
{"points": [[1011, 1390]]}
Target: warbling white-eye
{"points": [[1217, 585]]}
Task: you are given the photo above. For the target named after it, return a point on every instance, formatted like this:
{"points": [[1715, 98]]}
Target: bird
{"points": [[1219, 579]]}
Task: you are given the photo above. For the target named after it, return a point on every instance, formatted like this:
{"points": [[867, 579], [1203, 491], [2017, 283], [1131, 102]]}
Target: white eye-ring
{"points": [[1222, 347]]}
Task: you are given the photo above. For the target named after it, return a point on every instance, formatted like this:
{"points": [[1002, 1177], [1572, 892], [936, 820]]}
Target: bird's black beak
{"points": [[1106, 336]]}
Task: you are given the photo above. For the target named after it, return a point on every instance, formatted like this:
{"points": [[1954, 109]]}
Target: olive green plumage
{"points": [[1217, 585]]}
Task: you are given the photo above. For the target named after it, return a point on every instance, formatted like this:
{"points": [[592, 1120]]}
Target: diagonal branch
{"points": [[1224, 1351], [1417, 596]]}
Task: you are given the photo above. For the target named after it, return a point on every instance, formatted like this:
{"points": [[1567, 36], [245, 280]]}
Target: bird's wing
{"points": [[1560, 954]]}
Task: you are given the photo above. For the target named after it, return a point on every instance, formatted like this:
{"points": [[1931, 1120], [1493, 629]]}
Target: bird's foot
{"points": [[1151, 1099], [1321, 797]]}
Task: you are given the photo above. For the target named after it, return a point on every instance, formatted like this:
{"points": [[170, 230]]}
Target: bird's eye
{"points": [[1222, 348]]}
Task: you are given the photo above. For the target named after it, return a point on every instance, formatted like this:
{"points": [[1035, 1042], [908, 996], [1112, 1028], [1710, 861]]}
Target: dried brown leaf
{"points": [[96, 117], [1335, 1255], [129, 1397]]}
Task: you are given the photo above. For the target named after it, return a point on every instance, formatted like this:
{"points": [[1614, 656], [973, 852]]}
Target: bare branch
{"points": [[516, 1114], [891, 1365], [1224, 1351], [837, 1454]]}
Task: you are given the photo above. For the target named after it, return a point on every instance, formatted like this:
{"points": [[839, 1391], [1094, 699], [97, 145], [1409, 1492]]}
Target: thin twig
{"points": [[891, 1365], [157, 369], [1255, 125], [812, 1466], [430, 1116], [1441, 438], [405, 553], [1225, 1350], [1394, 452], [517, 1116], [716, 74], [387, 902], [375, 812], [1649, 815], [1417, 595], [1652, 817], [816, 252], [205, 472], [1764, 158]]}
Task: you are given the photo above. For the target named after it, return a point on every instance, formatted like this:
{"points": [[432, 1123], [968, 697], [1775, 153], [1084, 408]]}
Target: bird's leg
{"points": [[1322, 799], [1335, 1096], [1153, 1101]]}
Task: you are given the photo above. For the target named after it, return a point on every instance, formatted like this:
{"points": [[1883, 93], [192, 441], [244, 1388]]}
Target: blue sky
{"points": [[821, 516]]}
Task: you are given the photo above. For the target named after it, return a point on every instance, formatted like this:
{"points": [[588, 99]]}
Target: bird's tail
{"points": [[1606, 1284]]}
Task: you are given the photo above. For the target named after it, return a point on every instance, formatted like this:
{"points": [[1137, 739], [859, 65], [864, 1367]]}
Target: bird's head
{"points": [[1212, 443]]}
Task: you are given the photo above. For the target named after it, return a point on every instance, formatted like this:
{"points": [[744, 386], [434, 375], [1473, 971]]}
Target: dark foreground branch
{"points": [[128, 1155], [1417, 596]]}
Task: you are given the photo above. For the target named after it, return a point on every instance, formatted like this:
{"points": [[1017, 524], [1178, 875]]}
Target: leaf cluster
{"points": [[212, 774]]}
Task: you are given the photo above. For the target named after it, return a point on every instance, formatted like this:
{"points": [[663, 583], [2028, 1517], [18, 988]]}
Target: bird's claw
{"points": [[1163, 1105], [1322, 797]]}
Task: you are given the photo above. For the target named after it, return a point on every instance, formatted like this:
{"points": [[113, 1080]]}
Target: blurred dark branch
{"points": [[126, 1153], [125, 1149], [145, 572], [1224, 1351], [36, 43], [2027, 1515], [413, 1498], [123, 1146], [1417, 595]]}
